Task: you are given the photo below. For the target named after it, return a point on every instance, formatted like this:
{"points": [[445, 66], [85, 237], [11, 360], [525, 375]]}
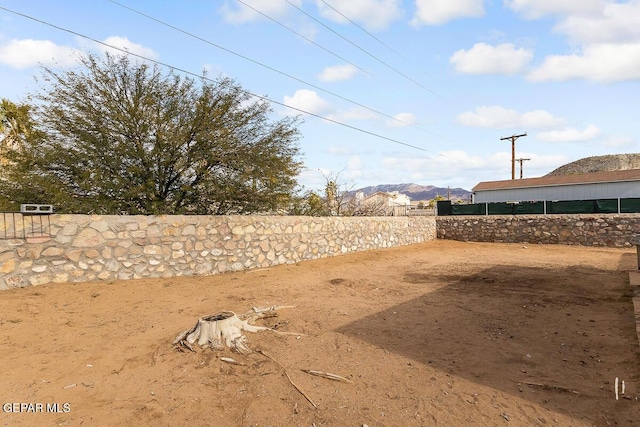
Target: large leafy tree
{"points": [[16, 125], [123, 137], [17, 130]]}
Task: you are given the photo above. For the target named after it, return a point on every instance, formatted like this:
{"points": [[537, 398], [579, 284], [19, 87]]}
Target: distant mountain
{"points": [[610, 162], [418, 192]]}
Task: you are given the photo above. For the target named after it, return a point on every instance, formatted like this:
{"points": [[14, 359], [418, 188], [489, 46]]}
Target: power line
{"points": [[305, 38], [272, 68], [375, 38], [363, 50], [264, 98]]}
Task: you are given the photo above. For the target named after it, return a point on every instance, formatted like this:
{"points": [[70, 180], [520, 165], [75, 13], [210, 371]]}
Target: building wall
{"points": [[587, 230], [399, 199], [610, 190], [93, 248]]}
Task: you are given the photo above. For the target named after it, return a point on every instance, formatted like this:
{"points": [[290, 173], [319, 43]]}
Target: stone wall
{"points": [[91, 248], [587, 230]]}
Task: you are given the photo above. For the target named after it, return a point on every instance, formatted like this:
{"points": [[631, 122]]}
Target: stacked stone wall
{"points": [[92, 248], [587, 230]]}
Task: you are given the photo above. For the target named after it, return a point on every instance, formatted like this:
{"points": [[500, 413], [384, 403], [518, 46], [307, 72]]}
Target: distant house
{"points": [[587, 186], [391, 199], [382, 203]]}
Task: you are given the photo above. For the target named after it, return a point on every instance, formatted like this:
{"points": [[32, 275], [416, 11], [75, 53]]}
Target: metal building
{"points": [[587, 186]]}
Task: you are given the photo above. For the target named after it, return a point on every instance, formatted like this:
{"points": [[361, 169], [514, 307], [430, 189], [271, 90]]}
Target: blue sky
{"points": [[457, 74]]}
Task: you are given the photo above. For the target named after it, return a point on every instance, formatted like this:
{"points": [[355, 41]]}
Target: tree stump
{"points": [[225, 329]]}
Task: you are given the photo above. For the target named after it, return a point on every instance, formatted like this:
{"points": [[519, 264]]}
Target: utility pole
{"points": [[521, 160], [513, 152]]}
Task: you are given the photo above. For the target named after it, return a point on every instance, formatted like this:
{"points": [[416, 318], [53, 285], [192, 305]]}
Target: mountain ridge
{"points": [[606, 163], [417, 192]]}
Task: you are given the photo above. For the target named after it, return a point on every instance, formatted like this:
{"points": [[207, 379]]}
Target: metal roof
{"points": [[553, 181]]}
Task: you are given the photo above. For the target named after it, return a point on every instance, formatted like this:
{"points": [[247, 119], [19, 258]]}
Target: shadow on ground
{"points": [[628, 261], [556, 337]]}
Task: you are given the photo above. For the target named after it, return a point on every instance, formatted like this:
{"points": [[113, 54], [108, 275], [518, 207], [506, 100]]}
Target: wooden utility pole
{"points": [[521, 160], [513, 152]]}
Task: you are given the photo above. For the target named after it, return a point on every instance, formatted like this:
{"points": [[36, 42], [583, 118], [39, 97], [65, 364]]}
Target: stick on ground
{"points": [[289, 378], [328, 375]]}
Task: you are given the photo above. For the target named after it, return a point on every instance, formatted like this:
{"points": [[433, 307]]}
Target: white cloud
{"points": [[337, 73], [451, 161], [436, 12], [599, 62], [498, 117], [617, 22], [570, 135], [539, 163], [460, 160], [308, 101], [449, 165], [486, 59], [533, 9], [212, 69], [403, 119], [314, 178], [27, 53], [373, 14], [606, 33], [448, 168], [237, 13], [125, 44]]}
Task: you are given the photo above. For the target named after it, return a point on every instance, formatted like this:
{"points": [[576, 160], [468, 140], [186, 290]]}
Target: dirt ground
{"points": [[440, 333]]}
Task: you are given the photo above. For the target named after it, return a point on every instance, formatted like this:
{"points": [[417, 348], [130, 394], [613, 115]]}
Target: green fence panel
{"points": [[528, 208], [571, 207], [607, 206], [629, 205], [473, 209], [536, 208], [501, 208], [443, 207]]}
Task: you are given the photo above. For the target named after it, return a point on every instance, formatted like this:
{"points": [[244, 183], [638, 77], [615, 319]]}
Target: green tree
{"points": [[435, 200], [16, 126], [338, 199], [122, 137], [17, 130], [308, 203]]}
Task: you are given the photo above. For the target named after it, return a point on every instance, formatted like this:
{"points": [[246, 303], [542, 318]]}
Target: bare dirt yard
{"points": [[441, 333]]}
